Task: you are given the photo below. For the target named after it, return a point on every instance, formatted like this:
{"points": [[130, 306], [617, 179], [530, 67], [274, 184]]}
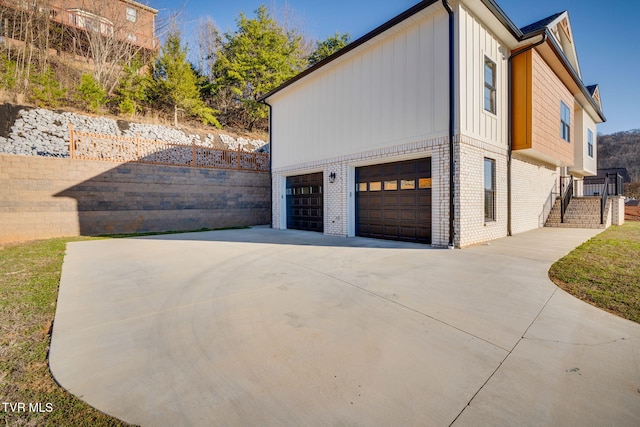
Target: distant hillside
{"points": [[620, 150]]}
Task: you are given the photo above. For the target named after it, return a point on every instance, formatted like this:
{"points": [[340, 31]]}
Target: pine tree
{"points": [[255, 59], [328, 47], [176, 84]]}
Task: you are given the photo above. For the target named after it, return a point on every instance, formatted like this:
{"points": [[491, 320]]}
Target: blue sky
{"points": [[607, 35]]}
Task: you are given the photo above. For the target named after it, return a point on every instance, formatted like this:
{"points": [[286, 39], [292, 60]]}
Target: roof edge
{"points": [[353, 45], [503, 18], [574, 75]]}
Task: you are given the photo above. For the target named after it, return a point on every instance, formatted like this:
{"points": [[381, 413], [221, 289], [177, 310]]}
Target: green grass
{"points": [[29, 280], [605, 271]]}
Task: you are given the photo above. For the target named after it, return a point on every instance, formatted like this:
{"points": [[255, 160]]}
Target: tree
{"points": [[176, 84], [208, 45], [91, 93], [328, 47], [132, 89], [107, 38], [255, 59]]}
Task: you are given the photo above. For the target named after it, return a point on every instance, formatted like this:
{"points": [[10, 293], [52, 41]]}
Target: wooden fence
{"points": [[114, 148]]}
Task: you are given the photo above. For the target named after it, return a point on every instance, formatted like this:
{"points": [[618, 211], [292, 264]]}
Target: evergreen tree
{"points": [[255, 59], [328, 47], [132, 89], [176, 84]]}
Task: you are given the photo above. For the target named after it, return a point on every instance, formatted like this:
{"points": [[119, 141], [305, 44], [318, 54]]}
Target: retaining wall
{"points": [[52, 197]]}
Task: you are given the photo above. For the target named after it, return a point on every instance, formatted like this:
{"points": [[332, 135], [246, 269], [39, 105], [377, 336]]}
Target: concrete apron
{"points": [[269, 327]]}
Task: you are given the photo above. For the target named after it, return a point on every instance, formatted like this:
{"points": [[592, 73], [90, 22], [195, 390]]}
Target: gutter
{"points": [[452, 122], [264, 101], [510, 122]]}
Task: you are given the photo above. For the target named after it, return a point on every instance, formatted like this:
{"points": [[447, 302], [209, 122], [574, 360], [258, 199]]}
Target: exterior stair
{"points": [[582, 212]]}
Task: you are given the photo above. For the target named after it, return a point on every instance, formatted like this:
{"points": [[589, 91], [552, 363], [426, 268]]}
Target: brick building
{"points": [[72, 20], [446, 125]]}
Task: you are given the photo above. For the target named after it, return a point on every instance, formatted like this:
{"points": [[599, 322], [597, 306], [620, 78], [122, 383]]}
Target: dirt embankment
{"points": [[632, 213]]}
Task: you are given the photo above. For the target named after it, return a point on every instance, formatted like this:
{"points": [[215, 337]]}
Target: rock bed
{"points": [[41, 132]]}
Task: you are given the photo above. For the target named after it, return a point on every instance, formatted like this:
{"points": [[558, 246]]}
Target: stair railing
{"points": [[566, 187]]}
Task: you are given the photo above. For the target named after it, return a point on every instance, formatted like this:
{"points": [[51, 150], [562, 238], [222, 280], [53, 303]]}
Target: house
{"points": [[71, 20], [446, 125]]}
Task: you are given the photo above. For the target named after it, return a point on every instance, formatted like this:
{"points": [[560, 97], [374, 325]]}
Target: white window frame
{"points": [[489, 193], [590, 143], [132, 14], [565, 122], [490, 103]]}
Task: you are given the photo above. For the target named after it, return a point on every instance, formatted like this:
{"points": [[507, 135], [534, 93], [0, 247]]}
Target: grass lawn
{"points": [[605, 271], [29, 280]]}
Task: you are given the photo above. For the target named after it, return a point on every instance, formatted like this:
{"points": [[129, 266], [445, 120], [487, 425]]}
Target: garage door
{"points": [[304, 202], [393, 201]]}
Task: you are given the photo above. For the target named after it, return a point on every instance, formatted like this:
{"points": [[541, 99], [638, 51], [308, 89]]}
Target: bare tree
{"points": [[209, 43]]}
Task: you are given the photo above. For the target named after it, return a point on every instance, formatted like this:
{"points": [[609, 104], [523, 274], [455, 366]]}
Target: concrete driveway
{"points": [[284, 328]]}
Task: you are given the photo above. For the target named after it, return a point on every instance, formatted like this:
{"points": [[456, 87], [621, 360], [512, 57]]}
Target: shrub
{"points": [[91, 93], [46, 90]]}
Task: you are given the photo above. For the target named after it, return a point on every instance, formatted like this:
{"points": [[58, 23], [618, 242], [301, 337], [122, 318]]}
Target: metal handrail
{"points": [[567, 195]]}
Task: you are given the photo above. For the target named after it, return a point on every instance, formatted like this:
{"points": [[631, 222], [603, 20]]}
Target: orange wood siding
{"points": [[521, 106], [537, 93], [547, 92]]}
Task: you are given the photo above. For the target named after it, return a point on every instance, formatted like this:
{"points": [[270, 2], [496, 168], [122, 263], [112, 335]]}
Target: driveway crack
{"points": [[509, 352]]}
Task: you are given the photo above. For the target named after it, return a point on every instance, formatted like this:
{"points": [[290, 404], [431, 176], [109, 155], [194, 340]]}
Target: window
{"points": [[407, 184], [375, 186], [132, 14], [590, 142], [489, 85], [489, 190], [424, 183], [565, 122], [391, 185]]}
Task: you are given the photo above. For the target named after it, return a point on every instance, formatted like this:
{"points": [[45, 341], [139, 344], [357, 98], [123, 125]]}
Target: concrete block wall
{"points": [[52, 197]]}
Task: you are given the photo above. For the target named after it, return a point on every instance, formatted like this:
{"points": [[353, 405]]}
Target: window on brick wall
{"points": [[590, 142], [489, 190], [489, 85], [132, 14], [565, 122]]}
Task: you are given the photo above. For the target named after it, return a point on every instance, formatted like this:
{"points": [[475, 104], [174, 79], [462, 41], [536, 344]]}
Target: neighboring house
{"points": [[128, 20], [384, 139]]}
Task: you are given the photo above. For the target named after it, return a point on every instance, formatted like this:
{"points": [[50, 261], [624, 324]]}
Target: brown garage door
{"points": [[304, 202], [393, 201]]}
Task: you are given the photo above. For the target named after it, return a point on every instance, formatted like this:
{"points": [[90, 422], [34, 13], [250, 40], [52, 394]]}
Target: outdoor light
{"points": [[332, 177]]}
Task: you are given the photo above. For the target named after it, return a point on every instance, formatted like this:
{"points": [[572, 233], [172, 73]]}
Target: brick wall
{"points": [[531, 191], [338, 208], [469, 200], [47, 197]]}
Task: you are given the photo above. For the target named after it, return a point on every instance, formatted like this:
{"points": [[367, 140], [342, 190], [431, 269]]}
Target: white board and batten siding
{"points": [[391, 90], [475, 42]]}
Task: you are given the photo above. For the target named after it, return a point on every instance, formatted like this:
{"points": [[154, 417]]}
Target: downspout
{"points": [[510, 124], [452, 112], [264, 101]]}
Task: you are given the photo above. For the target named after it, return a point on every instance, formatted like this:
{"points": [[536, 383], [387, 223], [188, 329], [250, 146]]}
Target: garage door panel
{"points": [[305, 202], [400, 209]]}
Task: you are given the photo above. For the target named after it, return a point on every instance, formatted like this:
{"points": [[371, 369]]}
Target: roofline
{"points": [[567, 65], [504, 19], [353, 45], [142, 6], [490, 4]]}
